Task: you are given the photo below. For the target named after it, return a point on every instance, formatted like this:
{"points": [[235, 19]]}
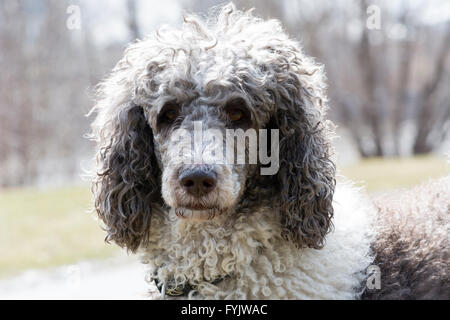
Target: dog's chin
{"points": [[199, 213]]}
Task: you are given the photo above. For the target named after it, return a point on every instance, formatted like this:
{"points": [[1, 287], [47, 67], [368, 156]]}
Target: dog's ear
{"points": [[306, 177], [127, 182]]}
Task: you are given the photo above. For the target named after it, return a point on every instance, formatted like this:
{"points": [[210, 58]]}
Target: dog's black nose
{"points": [[198, 182]]}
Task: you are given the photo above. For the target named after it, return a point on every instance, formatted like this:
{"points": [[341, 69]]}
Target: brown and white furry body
{"points": [[291, 235]]}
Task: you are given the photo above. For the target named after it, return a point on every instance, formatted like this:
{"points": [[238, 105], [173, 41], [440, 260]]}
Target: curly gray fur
{"points": [[412, 248], [284, 89], [127, 182]]}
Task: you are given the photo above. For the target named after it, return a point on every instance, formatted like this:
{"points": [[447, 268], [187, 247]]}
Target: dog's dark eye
{"points": [[169, 113], [237, 112]]}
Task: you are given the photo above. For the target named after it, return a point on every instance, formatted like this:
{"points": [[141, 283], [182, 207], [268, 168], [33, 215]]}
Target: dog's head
{"points": [[169, 111]]}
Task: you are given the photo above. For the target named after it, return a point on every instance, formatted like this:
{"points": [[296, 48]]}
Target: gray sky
{"points": [[107, 18]]}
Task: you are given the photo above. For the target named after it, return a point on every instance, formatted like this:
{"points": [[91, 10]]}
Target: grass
{"points": [[379, 174], [45, 228], [40, 229]]}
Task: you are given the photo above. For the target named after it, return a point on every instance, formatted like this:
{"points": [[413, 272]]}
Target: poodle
{"points": [[225, 230]]}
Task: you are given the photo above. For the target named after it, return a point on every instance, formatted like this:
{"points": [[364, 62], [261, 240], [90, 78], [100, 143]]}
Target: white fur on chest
{"points": [[259, 262]]}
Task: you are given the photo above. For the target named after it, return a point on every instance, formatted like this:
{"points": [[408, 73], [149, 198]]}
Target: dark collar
{"points": [[183, 290]]}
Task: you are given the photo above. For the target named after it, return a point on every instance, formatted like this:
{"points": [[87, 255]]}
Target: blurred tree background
{"points": [[388, 86]]}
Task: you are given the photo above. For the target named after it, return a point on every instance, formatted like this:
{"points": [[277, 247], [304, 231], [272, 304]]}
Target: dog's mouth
{"points": [[199, 212]]}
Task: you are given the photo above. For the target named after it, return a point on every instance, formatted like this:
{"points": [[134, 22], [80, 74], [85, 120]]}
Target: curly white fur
{"points": [[262, 264]]}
